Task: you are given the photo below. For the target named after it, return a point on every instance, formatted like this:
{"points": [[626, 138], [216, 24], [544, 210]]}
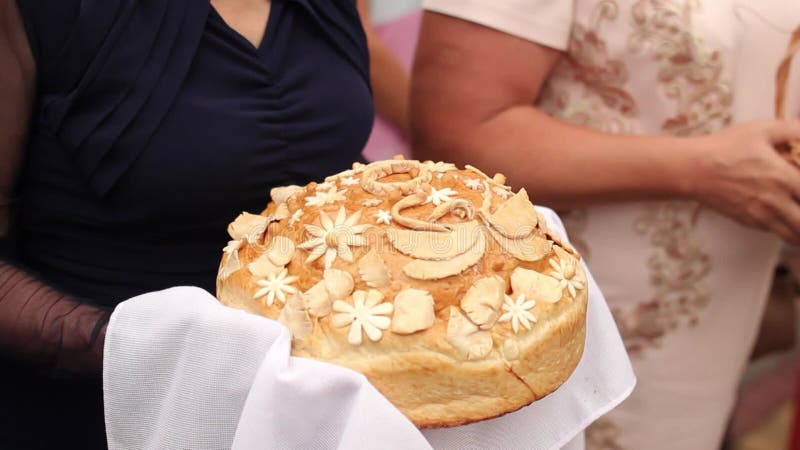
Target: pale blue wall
{"points": [[386, 10]]}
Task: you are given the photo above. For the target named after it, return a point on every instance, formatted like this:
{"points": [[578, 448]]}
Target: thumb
{"points": [[784, 131]]}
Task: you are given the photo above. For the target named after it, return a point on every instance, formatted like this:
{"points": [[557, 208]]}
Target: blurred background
{"points": [[764, 417]]}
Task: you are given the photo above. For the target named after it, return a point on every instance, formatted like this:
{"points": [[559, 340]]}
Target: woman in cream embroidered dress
{"points": [[687, 285]]}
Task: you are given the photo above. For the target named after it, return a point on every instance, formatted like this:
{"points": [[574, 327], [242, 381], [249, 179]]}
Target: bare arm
{"points": [[472, 101], [389, 79], [38, 325]]}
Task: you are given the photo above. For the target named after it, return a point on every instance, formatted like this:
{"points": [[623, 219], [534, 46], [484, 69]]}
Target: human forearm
{"points": [[45, 328], [38, 325], [389, 85], [472, 102], [736, 171], [390, 82], [562, 165]]}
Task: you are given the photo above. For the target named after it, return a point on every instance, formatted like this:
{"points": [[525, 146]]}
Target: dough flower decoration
{"points": [[232, 262], [518, 312], [474, 184], [326, 186], [276, 286], [502, 191], [296, 217], [333, 238], [439, 196], [232, 249], [439, 166], [383, 216], [565, 273], [324, 197], [348, 181], [367, 313]]}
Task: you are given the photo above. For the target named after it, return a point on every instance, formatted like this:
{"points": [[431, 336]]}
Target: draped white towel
{"points": [[181, 371]]}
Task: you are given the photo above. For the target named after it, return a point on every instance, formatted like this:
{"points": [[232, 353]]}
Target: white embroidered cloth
{"points": [[181, 371]]}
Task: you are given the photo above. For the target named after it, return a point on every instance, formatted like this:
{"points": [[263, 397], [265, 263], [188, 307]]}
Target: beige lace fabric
{"points": [[687, 286]]}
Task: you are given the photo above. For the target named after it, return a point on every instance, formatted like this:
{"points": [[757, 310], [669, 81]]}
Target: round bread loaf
{"points": [[442, 286]]}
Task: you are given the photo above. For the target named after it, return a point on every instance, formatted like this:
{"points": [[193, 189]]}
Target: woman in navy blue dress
{"points": [[152, 125]]}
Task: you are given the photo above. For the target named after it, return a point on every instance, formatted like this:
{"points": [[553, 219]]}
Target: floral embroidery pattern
{"points": [[689, 70], [590, 87], [605, 104], [689, 73], [678, 269]]}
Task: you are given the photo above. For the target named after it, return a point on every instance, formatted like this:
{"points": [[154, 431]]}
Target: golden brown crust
{"points": [[440, 376]]}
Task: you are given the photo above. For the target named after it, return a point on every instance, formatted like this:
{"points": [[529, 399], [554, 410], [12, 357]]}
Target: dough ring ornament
{"points": [[441, 285]]}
